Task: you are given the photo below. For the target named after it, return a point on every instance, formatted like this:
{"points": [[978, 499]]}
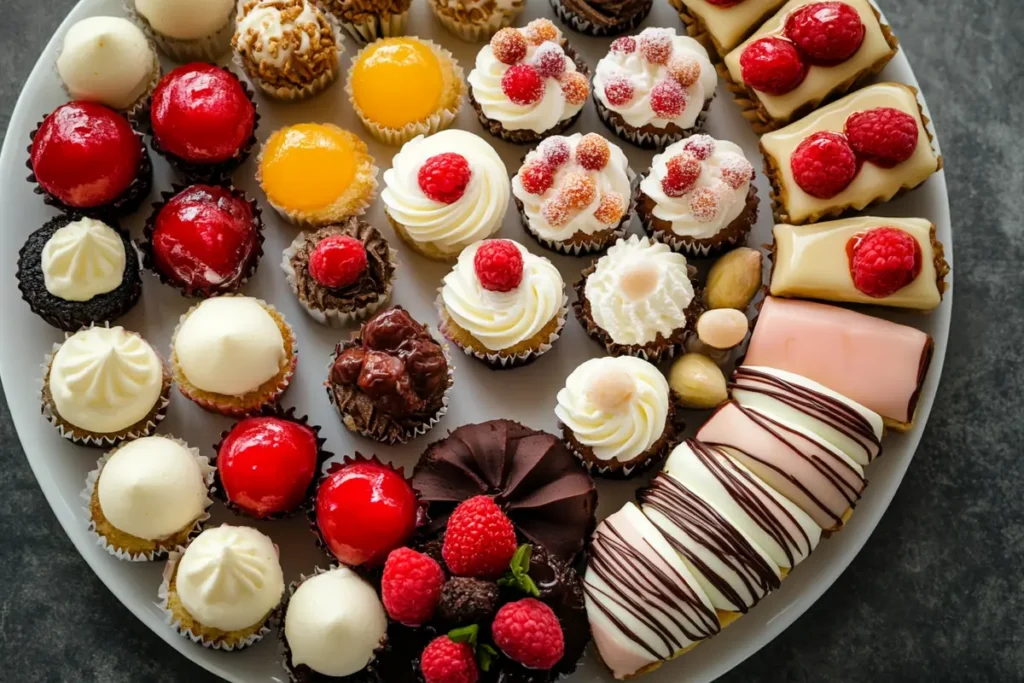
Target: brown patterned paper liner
{"points": [[753, 110], [138, 111], [369, 27], [81, 437], [206, 49], [579, 23], [228, 641], [254, 401], [439, 120], [468, 29], [161, 547], [731, 235], [145, 246], [648, 136], [525, 136]]}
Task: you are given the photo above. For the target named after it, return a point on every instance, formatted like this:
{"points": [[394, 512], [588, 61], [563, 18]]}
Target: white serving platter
{"points": [[525, 394]]}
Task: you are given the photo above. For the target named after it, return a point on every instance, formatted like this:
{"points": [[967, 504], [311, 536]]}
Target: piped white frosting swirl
{"points": [[83, 259], [106, 60]]}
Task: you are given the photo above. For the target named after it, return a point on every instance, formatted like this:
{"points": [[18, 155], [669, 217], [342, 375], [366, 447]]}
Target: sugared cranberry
{"points": [[337, 261], [522, 84], [772, 65]]}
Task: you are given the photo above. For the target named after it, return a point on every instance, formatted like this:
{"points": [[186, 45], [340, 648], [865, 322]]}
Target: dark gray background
{"points": [[937, 591]]}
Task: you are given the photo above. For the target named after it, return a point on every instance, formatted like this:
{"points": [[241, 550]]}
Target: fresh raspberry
{"points": [[611, 208], [579, 190], [736, 171], [772, 65], [593, 152], [704, 204], [619, 91], [508, 45], [575, 87], [701, 146], [480, 540], [555, 150], [823, 164], [668, 99], [337, 261], [883, 135], [556, 211], [625, 45], [445, 661], [883, 261], [826, 33], [681, 172], [537, 177], [499, 266], [528, 632], [522, 84], [655, 45], [542, 30], [444, 177], [684, 68], [549, 60], [411, 586]]}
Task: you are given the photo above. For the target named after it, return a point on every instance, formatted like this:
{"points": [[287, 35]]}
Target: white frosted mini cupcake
{"points": [[187, 30]]}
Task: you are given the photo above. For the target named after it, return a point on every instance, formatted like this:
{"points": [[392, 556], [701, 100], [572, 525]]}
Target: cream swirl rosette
{"points": [[83, 259], [441, 230]]}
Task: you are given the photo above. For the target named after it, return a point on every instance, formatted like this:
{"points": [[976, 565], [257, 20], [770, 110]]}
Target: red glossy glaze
{"points": [[364, 511], [200, 113], [85, 154], [266, 464]]}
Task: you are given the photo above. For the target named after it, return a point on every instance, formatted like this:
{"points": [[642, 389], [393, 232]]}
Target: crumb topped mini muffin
{"points": [[368, 20], [476, 20]]}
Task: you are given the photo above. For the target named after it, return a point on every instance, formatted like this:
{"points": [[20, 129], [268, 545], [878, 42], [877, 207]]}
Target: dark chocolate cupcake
{"points": [[75, 271], [341, 273], [602, 17]]}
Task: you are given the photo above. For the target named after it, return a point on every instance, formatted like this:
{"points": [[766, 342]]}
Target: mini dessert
{"points": [[108, 60], [617, 415], [267, 464], [364, 509], [720, 25], [316, 174], [74, 272], [809, 53], [289, 48], [203, 120], [666, 612], [654, 89], [723, 328], [601, 17], [220, 590], [501, 304], [148, 497], [864, 149], [698, 381], [639, 300], [341, 273], [734, 279], [474, 21], [528, 83], [699, 196], [445, 192], [187, 30], [86, 158], [233, 355], [575, 194], [203, 239], [404, 87], [538, 483], [333, 625], [368, 20], [390, 382], [879, 364], [881, 261], [104, 385]]}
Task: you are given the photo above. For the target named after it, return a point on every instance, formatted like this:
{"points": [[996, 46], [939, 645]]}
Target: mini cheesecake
{"points": [[864, 149], [720, 26], [832, 261]]}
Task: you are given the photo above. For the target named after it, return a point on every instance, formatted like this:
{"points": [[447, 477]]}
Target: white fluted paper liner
{"points": [[580, 24], [92, 479], [334, 317], [206, 49], [658, 141], [478, 32], [376, 26], [437, 121]]}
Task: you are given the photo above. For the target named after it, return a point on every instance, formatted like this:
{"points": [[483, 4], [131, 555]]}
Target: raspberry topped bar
{"points": [[810, 52], [720, 25], [864, 149]]}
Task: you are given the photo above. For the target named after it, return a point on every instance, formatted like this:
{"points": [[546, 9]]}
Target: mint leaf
{"points": [[518, 575], [465, 634], [485, 656]]}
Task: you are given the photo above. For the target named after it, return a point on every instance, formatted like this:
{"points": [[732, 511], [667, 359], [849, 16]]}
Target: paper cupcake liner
{"points": [[334, 317], [733, 234], [649, 139], [149, 258], [478, 32], [499, 360], [371, 27], [92, 478], [222, 404], [580, 24], [163, 593], [206, 49], [437, 121]]}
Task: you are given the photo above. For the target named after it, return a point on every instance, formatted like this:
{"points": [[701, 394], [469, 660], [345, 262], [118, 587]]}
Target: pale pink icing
{"points": [[877, 363]]}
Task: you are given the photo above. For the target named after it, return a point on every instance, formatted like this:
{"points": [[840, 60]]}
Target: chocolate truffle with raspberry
{"points": [[390, 382], [341, 272]]}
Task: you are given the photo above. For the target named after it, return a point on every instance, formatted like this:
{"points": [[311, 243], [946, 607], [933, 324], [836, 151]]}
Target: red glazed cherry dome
{"points": [[266, 464], [205, 240], [201, 114], [364, 510], [86, 155]]}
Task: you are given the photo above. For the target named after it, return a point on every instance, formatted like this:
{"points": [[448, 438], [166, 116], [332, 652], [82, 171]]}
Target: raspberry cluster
{"points": [[668, 97], [523, 82], [683, 170]]}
